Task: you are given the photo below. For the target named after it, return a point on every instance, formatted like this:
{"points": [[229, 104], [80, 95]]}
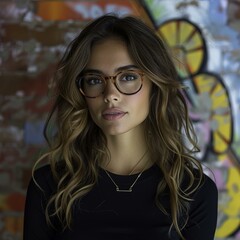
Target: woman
{"points": [[119, 167]]}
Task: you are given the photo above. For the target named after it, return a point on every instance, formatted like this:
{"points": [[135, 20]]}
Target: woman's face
{"points": [[116, 113]]}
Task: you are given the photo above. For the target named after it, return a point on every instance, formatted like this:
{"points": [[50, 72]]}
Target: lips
{"points": [[113, 114]]}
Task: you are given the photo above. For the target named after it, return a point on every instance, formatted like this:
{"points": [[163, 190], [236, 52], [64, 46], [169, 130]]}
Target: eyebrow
{"points": [[127, 67]]}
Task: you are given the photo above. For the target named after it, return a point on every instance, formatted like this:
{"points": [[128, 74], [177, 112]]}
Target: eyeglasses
{"points": [[127, 82]]}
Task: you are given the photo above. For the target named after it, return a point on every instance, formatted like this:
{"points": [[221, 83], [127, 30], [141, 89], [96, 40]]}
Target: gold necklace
{"points": [[138, 176]]}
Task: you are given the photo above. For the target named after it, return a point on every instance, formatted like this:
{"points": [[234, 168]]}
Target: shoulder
{"points": [[205, 182], [207, 186], [203, 188], [202, 211], [43, 171], [43, 179], [206, 191]]}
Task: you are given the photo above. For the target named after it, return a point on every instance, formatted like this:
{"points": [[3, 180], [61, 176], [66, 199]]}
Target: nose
{"points": [[111, 94]]}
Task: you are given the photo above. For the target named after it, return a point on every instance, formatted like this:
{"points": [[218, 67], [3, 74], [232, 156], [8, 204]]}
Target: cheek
{"points": [[144, 98], [146, 105], [91, 104], [93, 108], [141, 105]]}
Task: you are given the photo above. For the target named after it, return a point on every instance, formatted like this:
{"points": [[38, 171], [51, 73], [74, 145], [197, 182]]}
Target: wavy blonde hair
{"points": [[77, 145]]}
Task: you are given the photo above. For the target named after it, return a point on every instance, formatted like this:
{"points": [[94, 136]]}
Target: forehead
{"points": [[108, 55]]}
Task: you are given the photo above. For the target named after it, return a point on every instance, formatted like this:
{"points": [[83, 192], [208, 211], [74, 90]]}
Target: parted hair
{"points": [[77, 145]]}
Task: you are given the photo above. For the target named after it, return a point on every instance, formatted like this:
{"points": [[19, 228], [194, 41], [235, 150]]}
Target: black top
{"points": [[107, 214]]}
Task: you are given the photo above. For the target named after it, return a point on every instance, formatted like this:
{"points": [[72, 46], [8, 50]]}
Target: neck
{"points": [[128, 154]]}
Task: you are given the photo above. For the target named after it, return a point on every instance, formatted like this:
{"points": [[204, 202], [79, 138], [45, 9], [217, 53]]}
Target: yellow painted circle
{"points": [[220, 111], [187, 45]]}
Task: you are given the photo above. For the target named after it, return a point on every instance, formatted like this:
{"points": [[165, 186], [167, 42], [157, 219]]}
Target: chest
{"points": [[105, 213]]}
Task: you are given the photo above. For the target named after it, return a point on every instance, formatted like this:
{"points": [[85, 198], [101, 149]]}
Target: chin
{"points": [[114, 132]]}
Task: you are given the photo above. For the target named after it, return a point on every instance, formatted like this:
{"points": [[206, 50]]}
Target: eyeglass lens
{"points": [[127, 82]]}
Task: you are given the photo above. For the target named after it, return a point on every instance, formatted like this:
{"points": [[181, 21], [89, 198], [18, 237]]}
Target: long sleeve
{"points": [[203, 213], [35, 225]]}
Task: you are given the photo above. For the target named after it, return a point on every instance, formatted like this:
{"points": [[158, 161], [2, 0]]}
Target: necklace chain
{"points": [[138, 163], [124, 190], [138, 176]]}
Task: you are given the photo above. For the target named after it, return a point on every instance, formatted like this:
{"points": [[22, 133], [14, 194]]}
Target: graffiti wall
{"points": [[33, 37], [204, 37]]}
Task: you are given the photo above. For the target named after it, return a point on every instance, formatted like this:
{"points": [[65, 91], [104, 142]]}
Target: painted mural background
{"points": [[204, 37]]}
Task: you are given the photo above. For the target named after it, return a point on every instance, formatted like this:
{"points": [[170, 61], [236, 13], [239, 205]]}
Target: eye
{"points": [[129, 76], [92, 80]]}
